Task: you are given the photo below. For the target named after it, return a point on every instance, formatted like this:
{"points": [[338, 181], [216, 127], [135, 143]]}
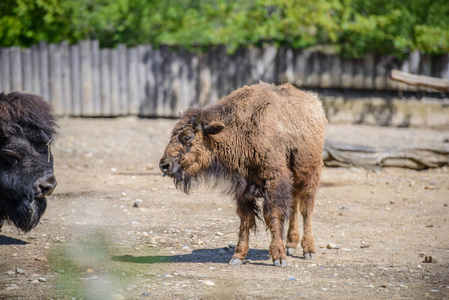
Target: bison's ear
{"points": [[213, 127]]}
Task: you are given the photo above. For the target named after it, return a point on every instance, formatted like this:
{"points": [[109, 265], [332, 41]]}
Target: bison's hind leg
{"points": [[293, 228], [306, 181]]}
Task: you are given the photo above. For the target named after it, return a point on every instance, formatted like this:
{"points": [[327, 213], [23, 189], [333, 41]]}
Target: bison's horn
{"points": [[198, 118], [181, 112]]}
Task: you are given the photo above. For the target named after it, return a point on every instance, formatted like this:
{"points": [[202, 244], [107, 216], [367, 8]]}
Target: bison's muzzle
{"points": [[44, 186], [168, 166]]}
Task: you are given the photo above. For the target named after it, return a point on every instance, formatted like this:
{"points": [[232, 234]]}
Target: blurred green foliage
{"points": [[348, 27]]}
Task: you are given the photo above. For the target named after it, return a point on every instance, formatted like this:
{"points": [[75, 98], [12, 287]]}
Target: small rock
{"points": [[20, 271], [137, 203], [291, 279], [145, 294], [10, 273], [35, 281], [14, 254], [123, 194], [42, 279], [332, 246], [90, 270], [232, 246], [208, 283], [149, 167], [220, 234], [364, 246], [41, 258], [145, 234]]}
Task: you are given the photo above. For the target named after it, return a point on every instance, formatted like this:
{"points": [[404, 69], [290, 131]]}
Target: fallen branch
{"points": [[420, 80], [416, 158]]}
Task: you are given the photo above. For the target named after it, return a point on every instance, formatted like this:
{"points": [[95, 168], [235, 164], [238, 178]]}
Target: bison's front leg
{"points": [[247, 222], [276, 207]]}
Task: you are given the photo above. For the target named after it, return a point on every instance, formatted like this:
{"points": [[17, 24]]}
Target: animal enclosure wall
{"points": [[85, 80]]}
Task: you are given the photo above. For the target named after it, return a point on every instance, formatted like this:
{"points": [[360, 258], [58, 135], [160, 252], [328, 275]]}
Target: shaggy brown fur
{"points": [[267, 141]]}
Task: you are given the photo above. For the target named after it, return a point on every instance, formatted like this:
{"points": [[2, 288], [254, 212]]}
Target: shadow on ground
{"points": [[219, 255], [6, 240]]}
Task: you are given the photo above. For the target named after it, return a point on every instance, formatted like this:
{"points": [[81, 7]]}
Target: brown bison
{"points": [[267, 141], [27, 128]]}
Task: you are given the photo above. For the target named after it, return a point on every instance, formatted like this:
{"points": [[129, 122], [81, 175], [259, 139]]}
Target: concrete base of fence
{"points": [[410, 112]]}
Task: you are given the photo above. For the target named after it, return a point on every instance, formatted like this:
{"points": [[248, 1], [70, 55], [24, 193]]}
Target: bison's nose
{"points": [[167, 166], [44, 186]]}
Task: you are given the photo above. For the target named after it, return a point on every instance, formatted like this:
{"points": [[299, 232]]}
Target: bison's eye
{"points": [[10, 158], [187, 139]]}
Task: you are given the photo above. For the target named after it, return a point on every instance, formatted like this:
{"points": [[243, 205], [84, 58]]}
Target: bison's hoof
{"points": [[236, 262], [280, 263], [309, 256], [291, 251]]}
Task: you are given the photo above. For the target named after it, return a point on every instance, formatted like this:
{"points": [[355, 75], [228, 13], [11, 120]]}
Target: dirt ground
{"points": [[116, 229]]}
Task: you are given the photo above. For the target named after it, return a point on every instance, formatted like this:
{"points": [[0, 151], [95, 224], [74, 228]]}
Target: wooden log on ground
{"points": [[421, 80], [416, 158]]}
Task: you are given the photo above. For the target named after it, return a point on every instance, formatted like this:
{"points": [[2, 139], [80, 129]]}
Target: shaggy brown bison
{"points": [[27, 127], [267, 141]]}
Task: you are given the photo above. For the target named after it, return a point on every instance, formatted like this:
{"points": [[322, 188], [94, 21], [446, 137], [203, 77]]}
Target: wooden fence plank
{"points": [[153, 63], [133, 88], [5, 75], [115, 89], [143, 82], [87, 104], [35, 70], [66, 79], [76, 80], [285, 65], [105, 75], [44, 70], [27, 75], [123, 79], [16, 69], [55, 76], [96, 86], [204, 86]]}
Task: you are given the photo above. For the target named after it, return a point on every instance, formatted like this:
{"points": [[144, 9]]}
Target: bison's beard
{"points": [[25, 214], [214, 177]]}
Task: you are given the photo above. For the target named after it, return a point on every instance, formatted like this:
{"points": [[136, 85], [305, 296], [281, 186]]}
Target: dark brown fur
{"points": [[267, 141], [27, 128]]}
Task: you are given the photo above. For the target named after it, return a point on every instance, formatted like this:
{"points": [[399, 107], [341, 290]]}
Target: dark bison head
{"points": [[27, 128], [189, 151]]}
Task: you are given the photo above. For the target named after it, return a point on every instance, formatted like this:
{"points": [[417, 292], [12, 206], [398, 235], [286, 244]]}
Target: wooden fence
{"points": [[84, 80]]}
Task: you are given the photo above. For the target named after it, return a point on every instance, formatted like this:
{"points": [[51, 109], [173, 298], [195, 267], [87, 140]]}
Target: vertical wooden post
{"points": [[76, 80], [43, 70], [66, 79], [16, 69], [144, 92], [96, 86], [35, 70], [123, 79], [133, 87], [87, 105], [115, 88], [55, 78], [105, 75], [27, 73]]}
